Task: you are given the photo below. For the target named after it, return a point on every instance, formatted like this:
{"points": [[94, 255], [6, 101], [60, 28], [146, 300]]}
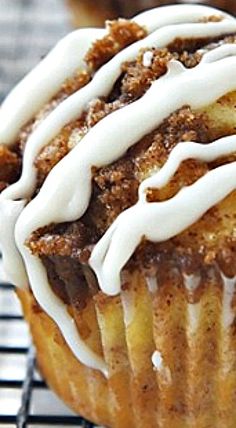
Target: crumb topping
{"points": [[115, 187], [121, 33], [10, 166], [65, 248]]}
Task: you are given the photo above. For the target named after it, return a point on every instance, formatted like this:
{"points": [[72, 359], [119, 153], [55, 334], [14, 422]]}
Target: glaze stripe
{"points": [[177, 14]]}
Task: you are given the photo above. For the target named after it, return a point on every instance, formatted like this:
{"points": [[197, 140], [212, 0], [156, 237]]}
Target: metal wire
{"points": [[23, 417]]}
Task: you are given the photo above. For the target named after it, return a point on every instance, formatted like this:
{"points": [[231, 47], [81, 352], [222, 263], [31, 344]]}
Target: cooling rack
{"points": [[25, 400]]}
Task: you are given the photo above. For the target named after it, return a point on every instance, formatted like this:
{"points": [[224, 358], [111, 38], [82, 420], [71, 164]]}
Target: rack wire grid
{"points": [[25, 400]]}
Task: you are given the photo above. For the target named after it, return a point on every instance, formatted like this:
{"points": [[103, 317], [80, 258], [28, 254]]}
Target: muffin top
{"points": [[118, 153]]}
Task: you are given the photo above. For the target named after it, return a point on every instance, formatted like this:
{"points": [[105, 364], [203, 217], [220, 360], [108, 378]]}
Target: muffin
{"points": [[85, 12], [118, 217]]}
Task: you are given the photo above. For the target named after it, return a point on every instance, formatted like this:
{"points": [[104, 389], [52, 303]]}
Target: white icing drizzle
{"points": [[224, 51], [105, 143], [110, 145], [101, 84], [147, 58], [206, 153], [9, 213], [44, 81], [227, 354], [152, 284], [128, 307], [157, 360], [229, 287], [57, 310], [46, 78], [191, 282], [166, 15], [194, 314], [160, 366]]}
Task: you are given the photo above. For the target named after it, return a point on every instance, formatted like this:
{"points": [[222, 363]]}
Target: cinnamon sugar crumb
{"points": [[121, 33], [10, 164], [76, 82], [52, 153]]}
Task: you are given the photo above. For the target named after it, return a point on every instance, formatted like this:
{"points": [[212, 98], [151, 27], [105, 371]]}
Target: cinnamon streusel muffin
{"points": [[117, 217]]}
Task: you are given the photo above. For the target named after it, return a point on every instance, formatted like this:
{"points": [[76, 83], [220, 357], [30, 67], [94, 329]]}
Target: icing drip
{"points": [[157, 360], [161, 367], [229, 287], [191, 282], [147, 59], [194, 315], [10, 211], [227, 355], [206, 153], [152, 284], [221, 52], [52, 305], [107, 142]]}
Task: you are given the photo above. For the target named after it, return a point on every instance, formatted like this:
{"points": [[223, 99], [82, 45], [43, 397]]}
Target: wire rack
{"points": [[25, 400]]}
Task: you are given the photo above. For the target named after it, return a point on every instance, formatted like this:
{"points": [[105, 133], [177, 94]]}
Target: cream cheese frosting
{"points": [[61, 200]]}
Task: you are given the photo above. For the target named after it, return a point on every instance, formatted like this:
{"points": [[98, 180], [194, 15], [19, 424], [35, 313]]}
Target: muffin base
{"points": [[194, 381], [78, 386]]}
